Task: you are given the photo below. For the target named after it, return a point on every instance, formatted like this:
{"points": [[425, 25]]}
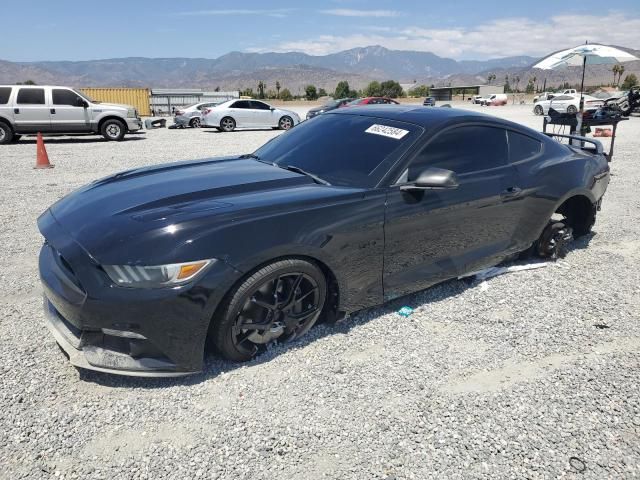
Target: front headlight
{"points": [[131, 113], [157, 276]]}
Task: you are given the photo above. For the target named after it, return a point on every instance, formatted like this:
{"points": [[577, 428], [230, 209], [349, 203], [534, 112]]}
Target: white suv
{"points": [[26, 109]]}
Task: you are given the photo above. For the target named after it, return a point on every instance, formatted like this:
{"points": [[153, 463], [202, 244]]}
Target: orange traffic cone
{"points": [[42, 159]]}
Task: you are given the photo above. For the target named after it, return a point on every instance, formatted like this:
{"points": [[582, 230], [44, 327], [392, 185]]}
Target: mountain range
{"points": [[293, 70]]}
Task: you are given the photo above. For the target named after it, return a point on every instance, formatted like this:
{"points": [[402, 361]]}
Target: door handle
{"points": [[511, 192], [16, 110], [53, 110]]}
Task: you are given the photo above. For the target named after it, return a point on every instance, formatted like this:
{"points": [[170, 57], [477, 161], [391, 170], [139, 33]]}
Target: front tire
{"points": [[285, 123], [228, 124], [194, 123], [538, 110], [279, 302], [572, 110], [6, 134], [113, 130]]}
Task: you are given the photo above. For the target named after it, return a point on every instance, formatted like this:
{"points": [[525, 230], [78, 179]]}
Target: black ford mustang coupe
{"points": [[144, 268]]}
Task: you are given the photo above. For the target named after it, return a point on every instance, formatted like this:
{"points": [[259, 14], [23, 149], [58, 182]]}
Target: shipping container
{"points": [[137, 97]]}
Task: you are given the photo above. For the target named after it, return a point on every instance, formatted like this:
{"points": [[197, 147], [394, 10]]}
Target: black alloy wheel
{"points": [[280, 302]]}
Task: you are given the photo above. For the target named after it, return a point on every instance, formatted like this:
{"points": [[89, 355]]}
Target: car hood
{"points": [[116, 218], [114, 106]]}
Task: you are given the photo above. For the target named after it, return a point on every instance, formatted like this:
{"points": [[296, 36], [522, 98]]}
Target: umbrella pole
{"points": [[581, 108]]}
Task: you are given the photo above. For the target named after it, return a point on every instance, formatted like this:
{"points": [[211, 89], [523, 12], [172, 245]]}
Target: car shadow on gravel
{"points": [[63, 140], [215, 366]]}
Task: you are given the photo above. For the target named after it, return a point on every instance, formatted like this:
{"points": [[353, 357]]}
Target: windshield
{"points": [[331, 103], [344, 150], [355, 102]]}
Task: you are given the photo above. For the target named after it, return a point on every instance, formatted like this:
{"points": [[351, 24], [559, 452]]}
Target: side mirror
{"points": [[433, 179], [81, 103], [272, 108]]}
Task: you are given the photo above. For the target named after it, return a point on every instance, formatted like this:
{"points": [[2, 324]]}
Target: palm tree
{"points": [[615, 70], [261, 87], [278, 88], [535, 86], [620, 72]]}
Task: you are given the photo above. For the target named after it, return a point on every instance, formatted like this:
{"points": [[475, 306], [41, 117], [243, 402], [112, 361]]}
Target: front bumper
{"points": [[134, 124], [140, 332], [91, 357]]}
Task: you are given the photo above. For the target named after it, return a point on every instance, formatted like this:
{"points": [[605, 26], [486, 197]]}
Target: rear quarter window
{"points": [[5, 93], [522, 147], [31, 96]]}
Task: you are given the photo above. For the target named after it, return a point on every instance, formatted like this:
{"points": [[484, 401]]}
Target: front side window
{"points": [[241, 104], [259, 106], [360, 152], [463, 150], [31, 96], [5, 93], [62, 96]]}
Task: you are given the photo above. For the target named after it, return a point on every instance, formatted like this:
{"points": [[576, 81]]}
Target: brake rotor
{"points": [[554, 241]]}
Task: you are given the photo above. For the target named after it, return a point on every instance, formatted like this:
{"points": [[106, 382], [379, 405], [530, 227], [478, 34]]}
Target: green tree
{"points": [[217, 89], [629, 81], [530, 86], [491, 78], [322, 92], [26, 82], [374, 89], [310, 92], [615, 70], [507, 85], [261, 88], [419, 91], [342, 90], [247, 92], [620, 72], [285, 95], [277, 89], [391, 89]]}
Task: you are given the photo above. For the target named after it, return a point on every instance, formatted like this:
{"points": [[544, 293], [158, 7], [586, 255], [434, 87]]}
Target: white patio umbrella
{"points": [[589, 53]]}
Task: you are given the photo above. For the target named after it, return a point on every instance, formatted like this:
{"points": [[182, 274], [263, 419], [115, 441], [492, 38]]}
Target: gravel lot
{"points": [[530, 375]]}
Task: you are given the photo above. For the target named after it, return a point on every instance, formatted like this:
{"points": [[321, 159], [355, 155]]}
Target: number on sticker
{"points": [[387, 131]]}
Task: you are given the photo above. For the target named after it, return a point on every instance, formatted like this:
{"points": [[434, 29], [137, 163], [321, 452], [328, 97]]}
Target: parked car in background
{"points": [[495, 99], [544, 96], [142, 269], [429, 102], [228, 116], [371, 101], [477, 99], [27, 109], [191, 116], [566, 104], [327, 107]]}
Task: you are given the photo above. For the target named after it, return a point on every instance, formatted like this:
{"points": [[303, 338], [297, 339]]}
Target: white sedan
{"points": [[566, 104], [234, 114]]}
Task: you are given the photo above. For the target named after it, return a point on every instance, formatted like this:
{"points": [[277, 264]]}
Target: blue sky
{"points": [[76, 30]]}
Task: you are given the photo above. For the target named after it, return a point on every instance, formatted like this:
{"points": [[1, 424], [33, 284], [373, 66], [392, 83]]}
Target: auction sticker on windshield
{"points": [[386, 131]]}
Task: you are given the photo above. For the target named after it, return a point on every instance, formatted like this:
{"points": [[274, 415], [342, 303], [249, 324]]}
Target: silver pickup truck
{"points": [[27, 109]]}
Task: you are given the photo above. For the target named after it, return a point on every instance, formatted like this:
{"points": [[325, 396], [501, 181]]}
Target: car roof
{"points": [[419, 115]]}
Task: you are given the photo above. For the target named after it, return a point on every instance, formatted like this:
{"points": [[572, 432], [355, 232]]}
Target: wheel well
{"points": [[576, 206], [580, 213], [7, 123], [330, 310], [111, 117]]}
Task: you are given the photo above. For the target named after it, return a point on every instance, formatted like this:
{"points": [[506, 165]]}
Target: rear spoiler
{"points": [[580, 139]]}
